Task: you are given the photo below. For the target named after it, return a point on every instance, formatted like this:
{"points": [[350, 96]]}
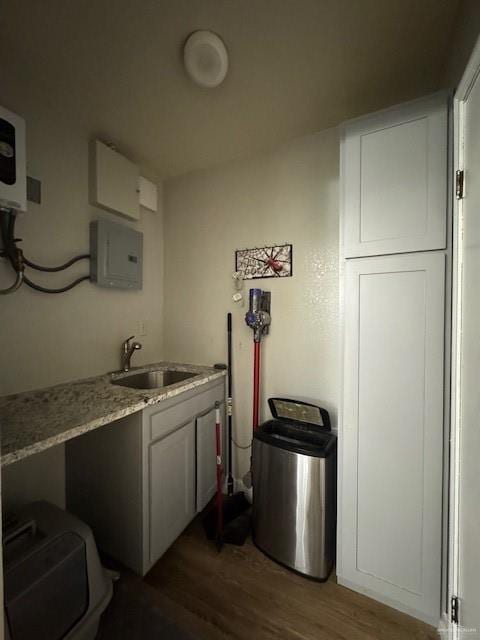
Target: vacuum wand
{"points": [[229, 406], [258, 319]]}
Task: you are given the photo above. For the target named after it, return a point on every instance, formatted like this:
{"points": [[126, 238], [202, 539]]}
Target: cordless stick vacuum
{"points": [[258, 319]]}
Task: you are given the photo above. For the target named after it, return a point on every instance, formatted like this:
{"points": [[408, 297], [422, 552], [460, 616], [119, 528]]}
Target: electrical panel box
{"points": [[116, 255], [13, 170]]}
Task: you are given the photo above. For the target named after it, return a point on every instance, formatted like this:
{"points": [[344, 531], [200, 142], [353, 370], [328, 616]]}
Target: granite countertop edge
{"points": [[34, 421]]}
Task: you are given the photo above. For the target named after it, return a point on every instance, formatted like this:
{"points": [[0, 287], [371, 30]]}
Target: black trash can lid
{"points": [[298, 412], [298, 427]]}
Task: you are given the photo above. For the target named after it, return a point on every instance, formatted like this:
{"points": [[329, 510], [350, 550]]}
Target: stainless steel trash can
{"points": [[294, 487]]}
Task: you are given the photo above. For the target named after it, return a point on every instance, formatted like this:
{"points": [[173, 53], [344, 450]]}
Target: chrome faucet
{"points": [[127, 352]]}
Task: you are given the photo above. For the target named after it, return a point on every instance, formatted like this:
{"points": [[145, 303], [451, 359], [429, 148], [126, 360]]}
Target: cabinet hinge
{"points": [[459, 183], [454, 609]]}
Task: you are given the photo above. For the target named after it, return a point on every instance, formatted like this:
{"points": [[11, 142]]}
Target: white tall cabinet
{"points": [[394, 226]]}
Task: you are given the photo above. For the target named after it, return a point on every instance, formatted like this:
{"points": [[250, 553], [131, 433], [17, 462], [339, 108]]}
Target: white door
{"points": [[390, 499], [172, 488], [394, 173], [467, 526], [206, 459]]}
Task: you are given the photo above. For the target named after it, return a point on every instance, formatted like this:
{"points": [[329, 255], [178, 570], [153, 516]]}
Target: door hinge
{"points": [[459, 183], [454, 609]]}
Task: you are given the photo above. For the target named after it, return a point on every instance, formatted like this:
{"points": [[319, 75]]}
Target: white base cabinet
{"points": [[391, 437], [139, 481]]}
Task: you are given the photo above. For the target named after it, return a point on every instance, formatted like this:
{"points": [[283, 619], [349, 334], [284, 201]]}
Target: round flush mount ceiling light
{"points": [[206, 59]]}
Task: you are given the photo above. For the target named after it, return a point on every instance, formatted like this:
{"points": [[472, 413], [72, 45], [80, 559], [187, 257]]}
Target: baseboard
{"points": [[446, 629], [390, 602]]}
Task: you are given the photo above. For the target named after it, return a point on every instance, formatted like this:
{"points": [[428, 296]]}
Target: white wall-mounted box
{"points": [[114, 181], [13, 172], [148, 194]]}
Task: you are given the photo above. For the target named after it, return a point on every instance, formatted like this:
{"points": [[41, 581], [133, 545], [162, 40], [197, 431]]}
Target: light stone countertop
{"points": [[37, 420]]}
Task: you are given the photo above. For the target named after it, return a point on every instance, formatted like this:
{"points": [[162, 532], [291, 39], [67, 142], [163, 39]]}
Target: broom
{"points": [[228, 519]]}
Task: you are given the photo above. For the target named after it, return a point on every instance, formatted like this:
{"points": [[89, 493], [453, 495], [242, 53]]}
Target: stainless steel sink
{"points": [[153, 379]]}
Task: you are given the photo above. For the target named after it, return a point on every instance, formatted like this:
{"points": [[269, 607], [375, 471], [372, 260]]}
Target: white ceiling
{"points": [[296, 66]]}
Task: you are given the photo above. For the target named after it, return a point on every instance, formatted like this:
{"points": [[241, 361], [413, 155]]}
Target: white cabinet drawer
{"points": [[165, 418]]}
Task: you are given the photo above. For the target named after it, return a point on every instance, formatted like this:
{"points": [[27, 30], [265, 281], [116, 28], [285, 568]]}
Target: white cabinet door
{"points": [[172, 488], [390, 499], [206, 457], [394, 179]]}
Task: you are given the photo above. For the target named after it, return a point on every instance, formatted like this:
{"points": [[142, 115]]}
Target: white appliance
{"points": [[13, 171]]}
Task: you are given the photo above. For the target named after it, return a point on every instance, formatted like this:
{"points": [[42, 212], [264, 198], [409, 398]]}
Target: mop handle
{"points": [[217, 435]]}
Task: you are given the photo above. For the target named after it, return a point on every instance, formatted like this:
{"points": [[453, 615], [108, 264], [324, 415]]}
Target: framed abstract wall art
{"points": [[265, 262]]}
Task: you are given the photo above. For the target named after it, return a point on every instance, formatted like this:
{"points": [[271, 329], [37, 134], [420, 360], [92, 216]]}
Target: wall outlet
{"points": [[141, 328]]}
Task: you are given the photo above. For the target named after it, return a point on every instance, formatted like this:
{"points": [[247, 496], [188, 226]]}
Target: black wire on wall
{"points": [[67, 287], [62, 267], [9, 246]]}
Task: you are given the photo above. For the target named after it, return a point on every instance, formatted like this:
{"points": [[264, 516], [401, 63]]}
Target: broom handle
{"points": [[218, 446], [229, 407]]}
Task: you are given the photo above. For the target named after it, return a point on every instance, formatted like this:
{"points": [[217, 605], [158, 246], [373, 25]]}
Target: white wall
{"points": [[48, 339], [288, 196]]}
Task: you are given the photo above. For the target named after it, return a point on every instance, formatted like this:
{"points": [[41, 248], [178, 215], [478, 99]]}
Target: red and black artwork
{"points": [[265, 262]]}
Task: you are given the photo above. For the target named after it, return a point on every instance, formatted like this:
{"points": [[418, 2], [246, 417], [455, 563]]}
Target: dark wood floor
{"points": [[241, 594]]}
